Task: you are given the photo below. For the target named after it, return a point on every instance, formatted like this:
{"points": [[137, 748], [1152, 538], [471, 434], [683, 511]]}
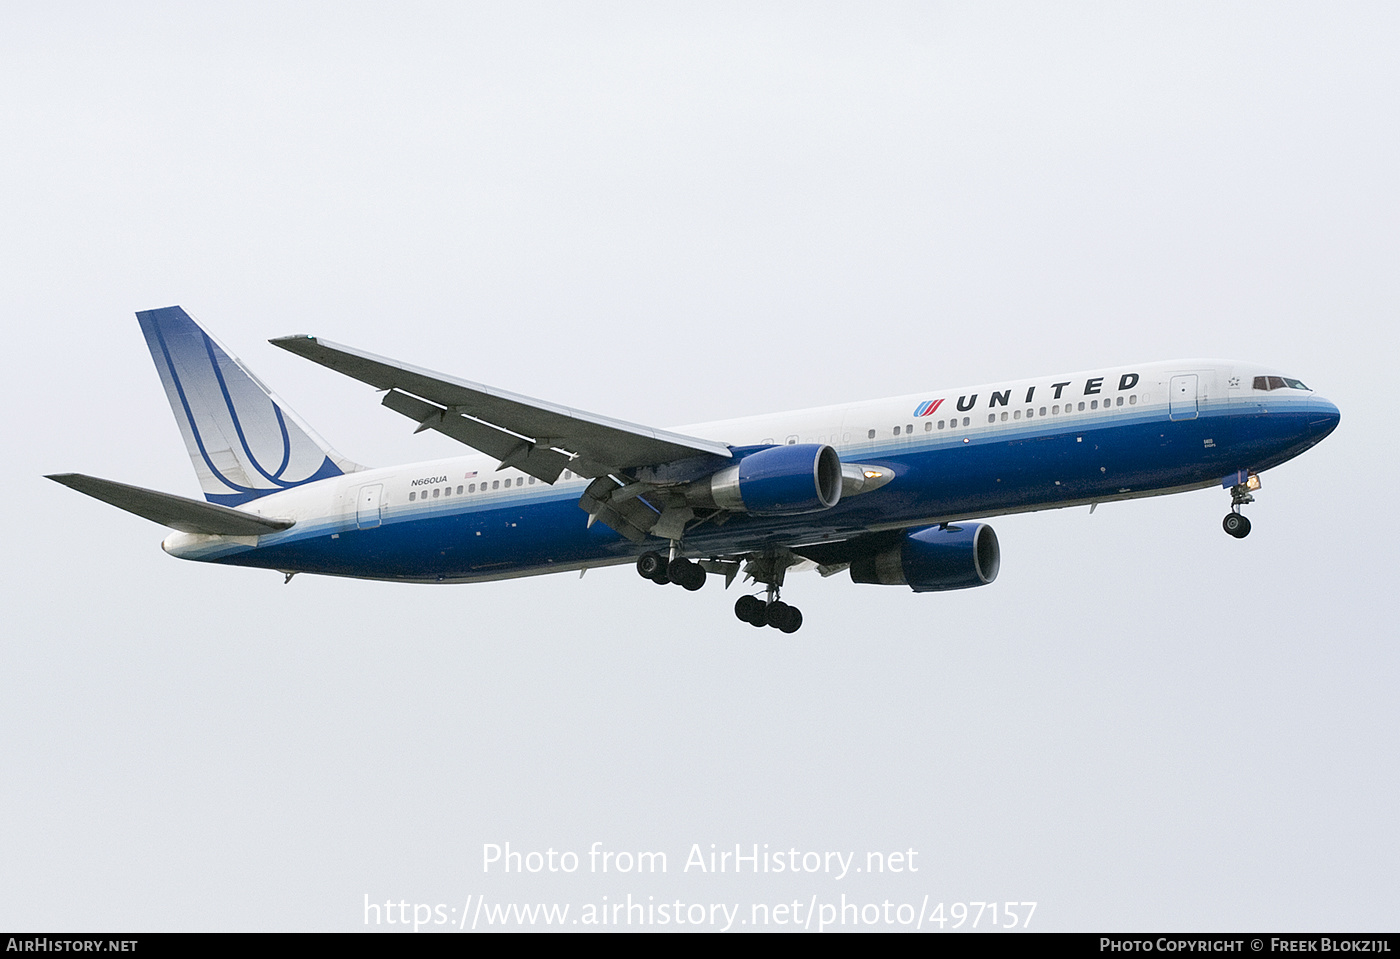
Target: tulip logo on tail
{"points": [[242, 442]]}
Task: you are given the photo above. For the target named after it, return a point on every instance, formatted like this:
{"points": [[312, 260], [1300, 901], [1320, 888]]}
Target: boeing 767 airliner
{"points": [[884, 488]]}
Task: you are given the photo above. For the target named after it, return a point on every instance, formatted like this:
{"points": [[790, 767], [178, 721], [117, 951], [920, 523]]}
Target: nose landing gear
{"points": [[1235, 522]]}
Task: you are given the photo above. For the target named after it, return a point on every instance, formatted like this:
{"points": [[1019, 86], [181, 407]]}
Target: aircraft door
{"points": [[369, 503], [1183, 397]]}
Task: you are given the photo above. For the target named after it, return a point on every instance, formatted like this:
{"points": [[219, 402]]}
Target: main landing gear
{"points": [[681, 571], [766, 568], [774, 612], [769, 568], [1235, 522]]}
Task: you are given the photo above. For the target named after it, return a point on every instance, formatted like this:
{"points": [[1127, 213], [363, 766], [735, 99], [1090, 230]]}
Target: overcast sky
{"points": [[669, 214]]}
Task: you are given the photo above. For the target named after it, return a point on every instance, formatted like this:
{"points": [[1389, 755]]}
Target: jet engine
{"points": [[777, 481], [934, 558]]}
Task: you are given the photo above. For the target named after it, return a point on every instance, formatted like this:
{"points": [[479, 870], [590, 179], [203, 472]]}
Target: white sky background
{"points": [[675, 214]]}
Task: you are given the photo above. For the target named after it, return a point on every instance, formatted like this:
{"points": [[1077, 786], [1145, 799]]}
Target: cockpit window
{"points": [[1278, 383]]}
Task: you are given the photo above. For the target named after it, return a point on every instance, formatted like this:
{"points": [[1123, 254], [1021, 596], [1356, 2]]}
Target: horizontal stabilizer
{"points": [[177, 512]]}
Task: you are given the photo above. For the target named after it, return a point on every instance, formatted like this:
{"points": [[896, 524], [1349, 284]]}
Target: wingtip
{"points": [[291, 343]]}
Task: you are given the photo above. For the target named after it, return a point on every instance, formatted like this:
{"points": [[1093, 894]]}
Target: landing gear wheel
{"points": [[678, 570], [783, 617], [751, 610], [651, 565], [687, 574], [746, 607], [794, 622], [1236, 524]]}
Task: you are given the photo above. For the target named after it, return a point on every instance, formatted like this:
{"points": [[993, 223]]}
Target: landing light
{"points": [[1253, 482]]}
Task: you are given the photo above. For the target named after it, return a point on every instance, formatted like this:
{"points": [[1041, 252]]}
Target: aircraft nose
{"points": [[1323, 420]]}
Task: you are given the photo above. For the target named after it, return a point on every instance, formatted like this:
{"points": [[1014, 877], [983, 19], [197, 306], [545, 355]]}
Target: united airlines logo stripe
{"points": [[928, 408]]}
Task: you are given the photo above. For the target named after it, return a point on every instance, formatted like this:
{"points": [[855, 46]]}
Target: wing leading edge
{"points": [[534, 436]]}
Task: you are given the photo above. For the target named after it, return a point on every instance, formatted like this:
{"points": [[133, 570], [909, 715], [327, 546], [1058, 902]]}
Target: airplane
{"points": [[884, 489]]}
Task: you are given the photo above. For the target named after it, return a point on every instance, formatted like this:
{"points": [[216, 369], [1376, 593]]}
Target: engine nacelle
{"points": [[934, 558], [778, 481]]}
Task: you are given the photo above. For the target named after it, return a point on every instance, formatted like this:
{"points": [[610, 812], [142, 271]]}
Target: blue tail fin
{"points": [[244, 441]]}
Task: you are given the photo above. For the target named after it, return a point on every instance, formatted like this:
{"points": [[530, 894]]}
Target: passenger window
{"points": [[909, 428], [495, 484], [412, 497], [872, 434], [928, 426], [967, 420], [471, 488], [941, 424], [447, 492], [1042, 411], [1132, 400], [1055, 410], [1017, 416], [1120, 402], [436, 492], [1081, 405], [532, 481], [896, 431], [991, 417], [459, 491]]}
